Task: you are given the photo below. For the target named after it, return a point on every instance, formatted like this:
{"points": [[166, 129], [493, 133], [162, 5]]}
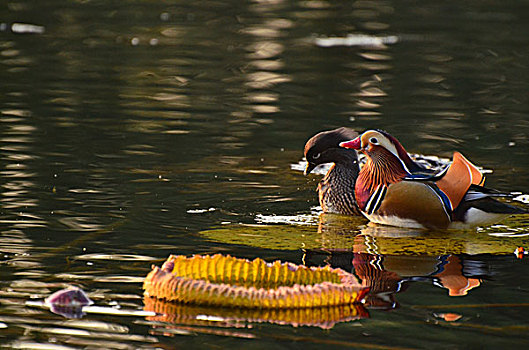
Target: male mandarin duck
{"points": [[392, 189], [336, 189]]}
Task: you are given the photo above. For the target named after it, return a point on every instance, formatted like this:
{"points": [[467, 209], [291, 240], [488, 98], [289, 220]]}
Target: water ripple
{"points": [[118, 257]]}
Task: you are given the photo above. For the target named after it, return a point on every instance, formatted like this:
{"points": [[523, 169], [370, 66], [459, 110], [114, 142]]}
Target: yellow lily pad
{"points": [[336, 232], [220, 280]]}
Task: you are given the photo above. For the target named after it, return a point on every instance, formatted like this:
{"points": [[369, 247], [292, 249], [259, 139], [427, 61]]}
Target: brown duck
{"points": [[336, 189]]}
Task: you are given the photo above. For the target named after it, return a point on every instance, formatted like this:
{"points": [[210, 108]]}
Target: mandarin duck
{"points": [[336, 189], [394, 190]]}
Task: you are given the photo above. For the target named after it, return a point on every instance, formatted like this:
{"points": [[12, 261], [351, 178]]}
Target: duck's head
{"points": [[378, 145], [324, 147]]}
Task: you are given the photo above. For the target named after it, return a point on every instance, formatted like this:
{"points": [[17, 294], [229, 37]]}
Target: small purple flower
{"points": [[68, 302]]}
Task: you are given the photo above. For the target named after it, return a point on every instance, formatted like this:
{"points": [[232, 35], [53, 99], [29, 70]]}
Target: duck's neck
{"points": [[342, 177], [345, 166], [382, 169]]}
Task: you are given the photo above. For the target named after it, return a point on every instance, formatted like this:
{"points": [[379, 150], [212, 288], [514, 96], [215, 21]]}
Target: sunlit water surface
{"points": [[135, 129]]}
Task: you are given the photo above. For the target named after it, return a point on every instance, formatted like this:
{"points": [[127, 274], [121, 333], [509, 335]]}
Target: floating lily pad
{"points": [[338, 233], [231, 282]]}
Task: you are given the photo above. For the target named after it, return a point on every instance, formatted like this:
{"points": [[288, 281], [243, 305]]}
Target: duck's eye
{"points": [[316, 156], [373, 140]]}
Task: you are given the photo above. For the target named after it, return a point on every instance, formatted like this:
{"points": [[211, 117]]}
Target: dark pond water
{"points": [[130, 130]]}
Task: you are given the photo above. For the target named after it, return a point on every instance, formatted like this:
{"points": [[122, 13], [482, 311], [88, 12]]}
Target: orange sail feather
{"points": [[457, 180]]}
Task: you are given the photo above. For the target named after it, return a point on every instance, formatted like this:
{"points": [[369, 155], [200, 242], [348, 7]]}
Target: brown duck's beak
{"points": [[309, 168], [354, 144]]}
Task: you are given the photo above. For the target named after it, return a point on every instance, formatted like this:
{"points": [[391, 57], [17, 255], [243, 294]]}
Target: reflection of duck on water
{"points": [[383, 283], [451, 276], [388, 275], [370, 270]]}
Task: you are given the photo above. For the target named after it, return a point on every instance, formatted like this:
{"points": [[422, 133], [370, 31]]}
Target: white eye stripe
{"points": [[316, 156]]}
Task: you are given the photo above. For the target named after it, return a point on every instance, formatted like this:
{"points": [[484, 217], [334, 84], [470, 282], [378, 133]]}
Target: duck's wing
{"points": [[409, 204], [454, 180]]}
